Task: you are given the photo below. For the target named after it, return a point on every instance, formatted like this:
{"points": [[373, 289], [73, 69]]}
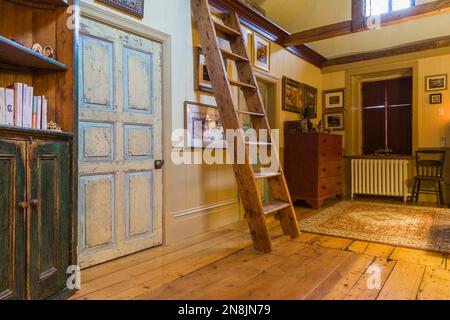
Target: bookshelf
{"points": [[24, 23], [38, 168]]}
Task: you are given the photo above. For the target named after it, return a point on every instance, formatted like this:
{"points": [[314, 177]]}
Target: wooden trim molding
{"points": [[256, 21], [359, 22], [404, 49]]}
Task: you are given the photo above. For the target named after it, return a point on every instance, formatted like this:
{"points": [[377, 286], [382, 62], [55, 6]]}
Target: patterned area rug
{"points": [[404, 226]]}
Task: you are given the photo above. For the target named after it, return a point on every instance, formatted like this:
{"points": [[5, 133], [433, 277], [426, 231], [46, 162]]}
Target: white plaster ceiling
{"points": [[300, 15]]}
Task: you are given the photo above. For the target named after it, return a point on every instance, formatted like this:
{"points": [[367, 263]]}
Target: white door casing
{"points": [[120, 137]]}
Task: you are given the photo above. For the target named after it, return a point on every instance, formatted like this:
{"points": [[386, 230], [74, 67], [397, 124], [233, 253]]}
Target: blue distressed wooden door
{"points": [[120, 137]]}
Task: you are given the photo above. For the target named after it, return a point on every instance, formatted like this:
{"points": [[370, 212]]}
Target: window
{"points": [[387, 116], [377, 7]]}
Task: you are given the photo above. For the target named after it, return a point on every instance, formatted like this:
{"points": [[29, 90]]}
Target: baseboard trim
{"points": [[191, 211]]}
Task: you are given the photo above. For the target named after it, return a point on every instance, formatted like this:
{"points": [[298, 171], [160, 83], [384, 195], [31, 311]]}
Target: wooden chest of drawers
{"points": [[313, 166]]}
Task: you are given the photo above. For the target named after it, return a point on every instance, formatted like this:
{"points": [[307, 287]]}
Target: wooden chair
{"points": [[430, 168]]}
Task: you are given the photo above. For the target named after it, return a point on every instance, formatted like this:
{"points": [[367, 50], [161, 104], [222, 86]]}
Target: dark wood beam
{"points": [[359, 23], [256, 21], [405, 49], [321, 33]]}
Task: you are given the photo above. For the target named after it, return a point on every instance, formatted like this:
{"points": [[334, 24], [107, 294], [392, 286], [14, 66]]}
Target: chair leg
{"points": [[413, 194], [442, 194], [419, 185]]}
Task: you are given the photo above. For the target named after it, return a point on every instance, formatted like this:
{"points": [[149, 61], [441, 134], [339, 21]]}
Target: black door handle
{"points": [[159, 164]]}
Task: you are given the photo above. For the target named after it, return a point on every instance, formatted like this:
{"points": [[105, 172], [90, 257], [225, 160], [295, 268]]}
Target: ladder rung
{"points": [[255, 114], [275, 206], [258, 143], [267, 174], [243, 86], [232, 56], [226, 30]]}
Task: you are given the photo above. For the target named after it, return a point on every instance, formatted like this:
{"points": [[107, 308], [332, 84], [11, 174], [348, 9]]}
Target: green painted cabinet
{"points": [[37, 239]]}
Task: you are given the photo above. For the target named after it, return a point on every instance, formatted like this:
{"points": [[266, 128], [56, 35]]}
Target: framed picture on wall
{"points": [[310, 102], [334, 121], [293, 96], [131, 7], [436, 98], [436, 83], [203, 126], [202, 81], [333, 99], [261, 52]]}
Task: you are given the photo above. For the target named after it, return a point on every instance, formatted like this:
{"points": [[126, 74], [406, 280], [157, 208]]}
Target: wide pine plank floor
{"points": [[223, 265]]}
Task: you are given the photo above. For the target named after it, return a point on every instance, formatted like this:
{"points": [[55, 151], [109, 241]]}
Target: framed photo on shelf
{"points": [[134, 8], [293, 96], [333, 99], [310, 103], [436, 98], [334, 121], [261, 53], [436, 83], [204, 126]]}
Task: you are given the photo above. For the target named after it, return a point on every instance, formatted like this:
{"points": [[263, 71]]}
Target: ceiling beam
{"points": [[359, 23], [404, 49], [259, 23]]}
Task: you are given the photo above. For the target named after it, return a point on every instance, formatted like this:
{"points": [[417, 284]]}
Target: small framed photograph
{"points": [[436, 83], [334, 121], [310, 102], [334, 99], [202, 81], [261, 52], [293, 96], [203, 126], [436, 98]]}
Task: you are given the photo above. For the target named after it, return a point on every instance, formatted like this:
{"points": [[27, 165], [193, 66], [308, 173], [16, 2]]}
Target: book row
{"points": [[19, 107]]}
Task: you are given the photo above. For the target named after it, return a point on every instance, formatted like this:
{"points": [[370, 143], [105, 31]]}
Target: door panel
{"points": [[12, 224], [49, 220], [120, 138]]}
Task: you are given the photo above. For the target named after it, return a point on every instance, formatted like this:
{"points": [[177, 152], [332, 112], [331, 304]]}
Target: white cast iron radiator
{"points": [[380, 177]]}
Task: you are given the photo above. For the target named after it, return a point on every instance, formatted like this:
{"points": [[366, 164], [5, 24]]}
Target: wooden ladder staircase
{"points": [[247, 177]]}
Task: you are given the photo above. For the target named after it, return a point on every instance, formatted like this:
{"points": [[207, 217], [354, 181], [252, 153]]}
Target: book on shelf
{"points": [[2, 106], [19, 107]]}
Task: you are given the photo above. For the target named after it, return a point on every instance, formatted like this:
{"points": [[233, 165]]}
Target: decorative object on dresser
{"points": [[38, 197], [134, 8], [313, 165]]}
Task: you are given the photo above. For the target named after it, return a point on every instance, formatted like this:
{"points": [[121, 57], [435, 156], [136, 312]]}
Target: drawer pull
{"points": [[324, 170], [324, 188], [23, 205]]}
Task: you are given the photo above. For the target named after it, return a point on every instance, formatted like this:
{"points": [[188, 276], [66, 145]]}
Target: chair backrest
{"points": [[430, 163]]}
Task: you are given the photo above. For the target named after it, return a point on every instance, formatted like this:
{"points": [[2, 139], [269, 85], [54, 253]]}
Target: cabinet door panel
{"points": [[12, 224], [50, 231]]}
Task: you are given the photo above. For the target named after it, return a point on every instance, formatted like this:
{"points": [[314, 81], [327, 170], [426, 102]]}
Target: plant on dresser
{"points": [[314, 166], [37, 167]]}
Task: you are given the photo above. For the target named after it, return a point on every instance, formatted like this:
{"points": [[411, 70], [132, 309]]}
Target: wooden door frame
{"points": [[126, 24]]}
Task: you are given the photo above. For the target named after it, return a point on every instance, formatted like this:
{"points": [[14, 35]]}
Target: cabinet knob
{"points": [[23, 205], [34, 202]]}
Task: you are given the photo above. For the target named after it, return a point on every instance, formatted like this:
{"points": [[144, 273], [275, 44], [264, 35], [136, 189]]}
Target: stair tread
{"points": [[275, 206], [256, 114], [267, 174], [226, 30], [233, 56], [242, 85]]}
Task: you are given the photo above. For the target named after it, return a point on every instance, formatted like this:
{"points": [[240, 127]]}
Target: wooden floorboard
{"points": [[223, 265]]}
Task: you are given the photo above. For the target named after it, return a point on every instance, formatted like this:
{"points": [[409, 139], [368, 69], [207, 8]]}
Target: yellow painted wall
{"points": [[199, 198]]}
